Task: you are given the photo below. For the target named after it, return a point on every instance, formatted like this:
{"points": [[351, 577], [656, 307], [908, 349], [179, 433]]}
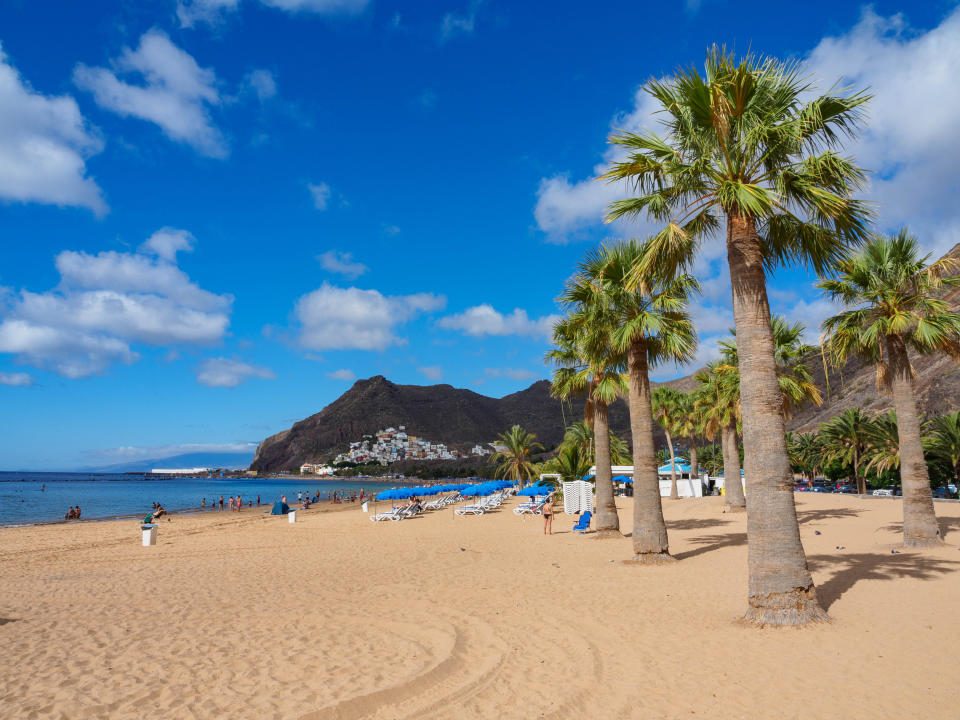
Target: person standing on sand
{"points": [[258, 501], [548, 516], [221, 502], [231, 503]]}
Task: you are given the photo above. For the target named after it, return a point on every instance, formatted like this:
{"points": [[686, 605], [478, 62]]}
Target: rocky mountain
{"points": [[440, 413]]}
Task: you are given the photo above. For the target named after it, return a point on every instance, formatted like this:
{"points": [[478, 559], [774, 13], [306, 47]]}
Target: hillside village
{"points": [[393, 445]]}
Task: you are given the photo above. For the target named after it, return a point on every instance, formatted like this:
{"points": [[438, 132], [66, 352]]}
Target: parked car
{"points": [[847, 489], [883, 492], [944, 493]]}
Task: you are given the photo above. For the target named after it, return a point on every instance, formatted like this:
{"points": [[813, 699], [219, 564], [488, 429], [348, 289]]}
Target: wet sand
{"points": [[244, 615]]}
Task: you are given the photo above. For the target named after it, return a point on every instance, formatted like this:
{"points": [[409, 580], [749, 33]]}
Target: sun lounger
{"points": [[583, 524], [394, 514], [529, 509]]}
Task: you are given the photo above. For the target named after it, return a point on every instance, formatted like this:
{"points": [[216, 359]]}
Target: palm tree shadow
{"points": [[851, 569], [4, 621], [697, 524], [710, 543], [806, 516], [947, 525]]}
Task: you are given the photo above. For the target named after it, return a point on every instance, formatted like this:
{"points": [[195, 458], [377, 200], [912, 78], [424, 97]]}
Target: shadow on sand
{"points": [[4, 621], [697, 524], [710, 543], [808, 516], [849, 569]]}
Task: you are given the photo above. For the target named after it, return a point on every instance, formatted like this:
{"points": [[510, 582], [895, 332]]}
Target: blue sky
{"points": [[216, 214]]}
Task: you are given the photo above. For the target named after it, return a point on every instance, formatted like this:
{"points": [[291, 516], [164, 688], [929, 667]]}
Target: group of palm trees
{"points": [[748, 152]]}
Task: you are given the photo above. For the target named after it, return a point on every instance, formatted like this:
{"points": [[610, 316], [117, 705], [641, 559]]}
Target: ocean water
{"points": [[27, 497]]}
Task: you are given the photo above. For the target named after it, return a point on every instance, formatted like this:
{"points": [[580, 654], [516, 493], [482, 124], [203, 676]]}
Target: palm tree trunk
{"points": [[674, 495], [861, 488], [694, 464], [920, 526], [608, 523], [732, 486], [650, 544], [780, 587]]}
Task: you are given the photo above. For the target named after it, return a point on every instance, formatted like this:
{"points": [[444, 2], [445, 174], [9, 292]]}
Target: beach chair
{"points": [[583, 524], [530, 508], [394, 514]]}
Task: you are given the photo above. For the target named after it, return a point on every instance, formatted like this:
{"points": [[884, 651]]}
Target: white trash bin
{"points": [[366, 506], [149, 535], [292, 515]]}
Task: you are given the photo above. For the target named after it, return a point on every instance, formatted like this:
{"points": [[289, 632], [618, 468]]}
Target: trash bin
{"points": [[366, 506], [149, 534], [292, 515]]}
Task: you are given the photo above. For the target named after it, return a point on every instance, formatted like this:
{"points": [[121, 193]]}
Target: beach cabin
{"points": [[687, 486]]}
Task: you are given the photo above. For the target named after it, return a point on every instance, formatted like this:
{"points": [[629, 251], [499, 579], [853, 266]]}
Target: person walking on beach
{"points": [[230, 503], [548, 516], [221, 502], [258, 501]]}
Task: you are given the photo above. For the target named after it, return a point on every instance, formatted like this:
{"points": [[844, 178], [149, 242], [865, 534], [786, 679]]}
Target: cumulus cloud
{"points": [[431, 372], [483, 320], [16, 379], [343, 374], [909, 141], [103, 304], [213, 12], [565, 208], [320, 192], [167, 242], [44, 146], [224, 372], [174, 92], [342, 263], [512, 373], [334, 318]]}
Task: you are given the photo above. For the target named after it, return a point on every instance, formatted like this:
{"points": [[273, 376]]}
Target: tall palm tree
{"points": [[719, 399], [571, 462], [691, 428], [667, 411], [943, 443], [583, 348], [651, 327], [893, 307], [749, 141], [808, 452], [514, 461], [846, 438]]}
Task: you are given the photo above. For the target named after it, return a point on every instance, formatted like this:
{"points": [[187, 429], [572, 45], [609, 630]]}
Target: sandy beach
{"points": [[247, 616]]}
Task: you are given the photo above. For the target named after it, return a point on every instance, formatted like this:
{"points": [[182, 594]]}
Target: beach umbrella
{"points": [[623, 479], [394, 494], [588, 477], [535, 490]]}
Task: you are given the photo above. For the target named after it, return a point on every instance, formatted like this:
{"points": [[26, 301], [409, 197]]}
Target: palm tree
{"points": [[691, 428], [883, 443], [750, 142], [587, 360], [846, 438], [808, 453], [515, 460], [651, 327], [571, 462], [943, 443], [719, 400], [667, 412], [581, 434], [893, 302]]}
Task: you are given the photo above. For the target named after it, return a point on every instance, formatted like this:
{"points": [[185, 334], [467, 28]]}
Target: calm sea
{"points": [[27, 497]]}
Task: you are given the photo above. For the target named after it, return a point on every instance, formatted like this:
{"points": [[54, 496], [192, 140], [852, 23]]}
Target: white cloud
{"points": [[565, 208], [343, 374], [512, 373], [167, 242], [225, 373], [212, 12], [262, 83], [342, 263], [320, 192], [910, 139], [431, 372], [103, 304], [811, 313], [44, 145], [322, 7], [333, 318], [483, 320], [17, 379], [192, 12], [176, 93], [454, 24]]}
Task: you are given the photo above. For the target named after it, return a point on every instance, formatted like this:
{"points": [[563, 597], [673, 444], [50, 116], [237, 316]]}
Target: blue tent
{"points": [[280, 508]]}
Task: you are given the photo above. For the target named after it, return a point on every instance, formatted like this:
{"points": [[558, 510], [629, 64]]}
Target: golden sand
{"points": [[247, 616]]}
